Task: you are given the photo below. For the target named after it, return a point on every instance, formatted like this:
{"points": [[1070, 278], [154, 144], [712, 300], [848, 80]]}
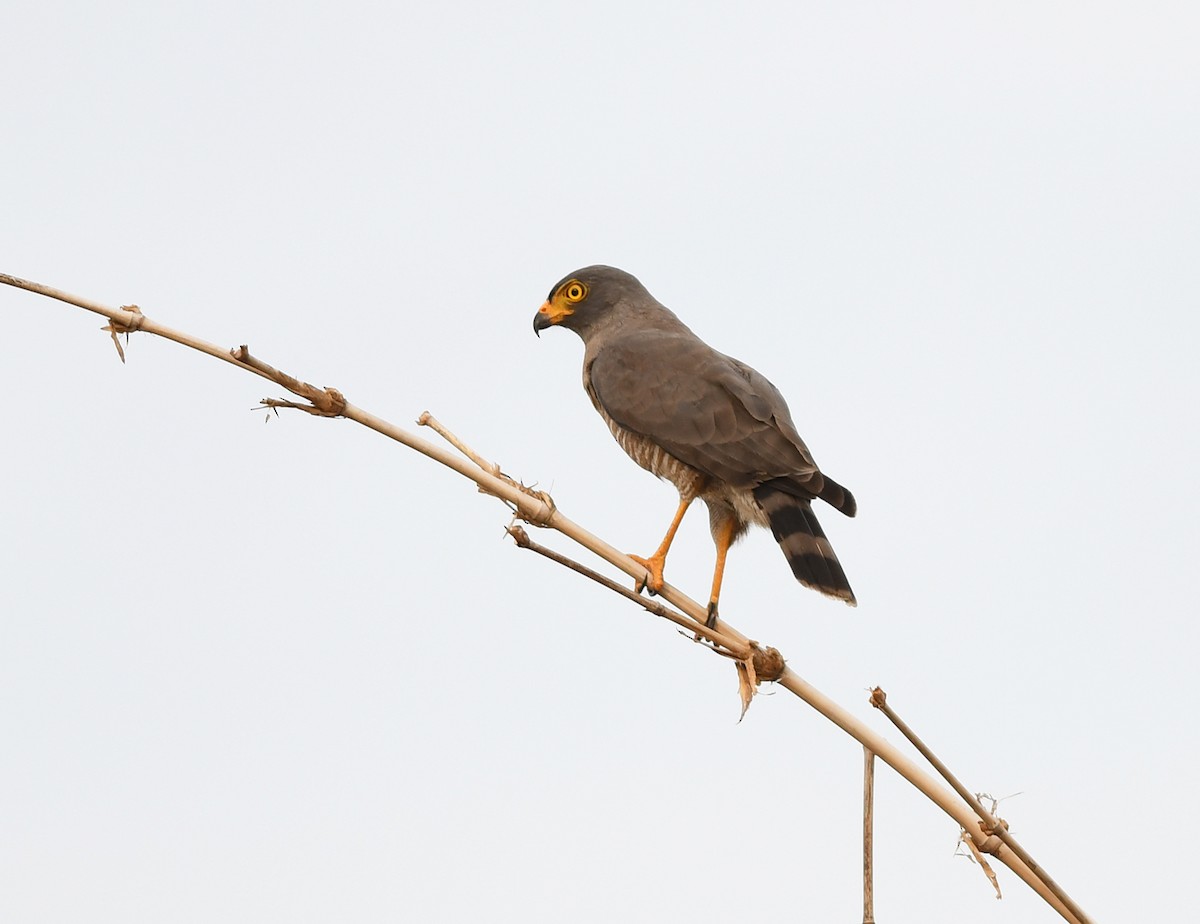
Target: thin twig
{"points": [[428, 420], [325, 402], [868, 836], [754, 663], [521, 537], [129, 319], [994, 829]]}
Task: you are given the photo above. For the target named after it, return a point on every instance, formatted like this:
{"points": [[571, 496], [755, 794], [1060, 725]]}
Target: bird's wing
{"points": [[704, 408]]}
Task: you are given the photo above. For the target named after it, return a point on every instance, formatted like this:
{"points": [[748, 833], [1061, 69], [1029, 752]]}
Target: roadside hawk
{"points": [[712, 426]]}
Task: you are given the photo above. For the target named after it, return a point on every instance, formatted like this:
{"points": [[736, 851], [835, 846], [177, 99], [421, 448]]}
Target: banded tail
{"points": [[803, 541]]}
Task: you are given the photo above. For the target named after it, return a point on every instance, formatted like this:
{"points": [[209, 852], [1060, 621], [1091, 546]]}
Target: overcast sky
{"points": [[293, 672]]}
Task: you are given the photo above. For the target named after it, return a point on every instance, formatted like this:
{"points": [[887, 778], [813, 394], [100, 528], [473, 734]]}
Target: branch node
{"points": [[134, 323], [115, 327], [543, 516], [757, 665], [992, 845], [323, 402], [768, 662]]}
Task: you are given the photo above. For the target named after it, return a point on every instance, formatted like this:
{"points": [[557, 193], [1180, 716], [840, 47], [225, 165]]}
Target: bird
{"points": [[709, 424]]}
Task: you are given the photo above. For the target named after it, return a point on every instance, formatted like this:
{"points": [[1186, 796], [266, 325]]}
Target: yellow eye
{"points": [[575, 291]]}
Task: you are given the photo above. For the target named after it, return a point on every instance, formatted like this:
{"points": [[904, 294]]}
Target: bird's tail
{"points": [[837, 497], [803, 542]]}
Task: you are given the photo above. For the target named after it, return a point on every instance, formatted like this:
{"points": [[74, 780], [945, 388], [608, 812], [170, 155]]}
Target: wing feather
{"points": [[704, 408]]}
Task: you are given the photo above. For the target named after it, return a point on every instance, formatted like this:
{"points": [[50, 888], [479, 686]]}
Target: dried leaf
{"points": [[116, 340], [746, 684], [759, 665], [978, 857]]}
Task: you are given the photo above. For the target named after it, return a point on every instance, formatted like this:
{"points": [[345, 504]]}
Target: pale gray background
{"points": [[292, 672]]}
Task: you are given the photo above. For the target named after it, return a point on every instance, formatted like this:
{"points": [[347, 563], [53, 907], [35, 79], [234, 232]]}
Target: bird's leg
{"points": [[723, 535], [654, 564]]}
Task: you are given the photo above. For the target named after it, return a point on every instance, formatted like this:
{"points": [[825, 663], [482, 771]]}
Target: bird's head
{"points": [[587, 297]]}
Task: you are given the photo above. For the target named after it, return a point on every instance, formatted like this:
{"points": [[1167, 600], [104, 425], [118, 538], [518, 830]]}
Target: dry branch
{"points": [[995, 830], [868, 836], [538, 509]]}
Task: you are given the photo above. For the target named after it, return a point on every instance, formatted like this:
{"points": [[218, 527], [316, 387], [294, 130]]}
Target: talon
{"points": [[653, 581], [711, 621]]}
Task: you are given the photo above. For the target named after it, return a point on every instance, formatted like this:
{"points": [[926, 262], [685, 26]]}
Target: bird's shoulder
{"points": [[675, 371], [707, 409], [656, 371]]}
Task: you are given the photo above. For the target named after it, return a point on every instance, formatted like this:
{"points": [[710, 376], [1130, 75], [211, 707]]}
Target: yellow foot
{"points": [[653, 581]]}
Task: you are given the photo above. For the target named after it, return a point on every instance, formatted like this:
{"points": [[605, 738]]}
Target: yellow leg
{"points": [[723, 539], [654, 564]]}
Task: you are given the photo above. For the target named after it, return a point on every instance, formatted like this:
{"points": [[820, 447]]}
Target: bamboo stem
{"points": [[538, 509], [868, 836], [992, 827], [651, 606]]}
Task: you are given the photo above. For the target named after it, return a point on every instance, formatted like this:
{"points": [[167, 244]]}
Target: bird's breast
{"points": [[647, 453], [656, 460]]}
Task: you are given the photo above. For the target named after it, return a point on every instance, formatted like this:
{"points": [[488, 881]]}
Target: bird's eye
{"points": [[575, 291]]}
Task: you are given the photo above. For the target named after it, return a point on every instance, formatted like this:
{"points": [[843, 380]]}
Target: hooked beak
{"points": [[549, 315]]}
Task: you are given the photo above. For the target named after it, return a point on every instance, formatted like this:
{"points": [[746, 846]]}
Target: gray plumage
{"points": [[711, 425]]}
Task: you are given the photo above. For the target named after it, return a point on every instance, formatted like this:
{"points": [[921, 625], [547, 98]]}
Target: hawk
{"points": [[707, 423]]}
